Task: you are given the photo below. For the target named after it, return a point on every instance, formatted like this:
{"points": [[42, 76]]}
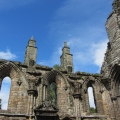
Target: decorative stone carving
{"points": [[19, 82]]}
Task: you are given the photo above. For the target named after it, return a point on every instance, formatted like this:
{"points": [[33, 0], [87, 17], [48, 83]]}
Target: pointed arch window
{"points": [[91, 100], [4, 92]]}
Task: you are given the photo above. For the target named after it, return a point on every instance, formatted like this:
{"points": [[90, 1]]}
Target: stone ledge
{"points": [[95, 116], [11, 115]]}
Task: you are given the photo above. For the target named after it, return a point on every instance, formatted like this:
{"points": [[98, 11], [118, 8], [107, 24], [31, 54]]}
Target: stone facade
{"points": [[31, 84]]}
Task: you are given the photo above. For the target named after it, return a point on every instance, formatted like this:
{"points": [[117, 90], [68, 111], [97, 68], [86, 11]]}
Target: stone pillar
{"points": [[0, 83], [31, 103], [39, 99], [40, 94], [113, 114], [44, 92], [87, 107], [77, 108], [76, 96], [118, 106], [99, 102], [28, 106], [34, 102]]}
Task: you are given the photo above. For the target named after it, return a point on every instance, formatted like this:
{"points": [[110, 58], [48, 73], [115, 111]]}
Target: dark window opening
{"points": [[69, 69]]}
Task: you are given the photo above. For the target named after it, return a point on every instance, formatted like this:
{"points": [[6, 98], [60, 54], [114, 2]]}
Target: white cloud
{"points": [[84, 53], [5, 91], [98, 51], [7, 55]]}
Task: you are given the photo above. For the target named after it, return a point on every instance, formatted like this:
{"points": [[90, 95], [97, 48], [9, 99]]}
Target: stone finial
{"points": [[32, 38], [65, 44]]}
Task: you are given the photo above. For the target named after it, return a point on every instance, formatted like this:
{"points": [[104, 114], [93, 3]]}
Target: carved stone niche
{"points": [[31, 62], [46, 111], [76, 93]]}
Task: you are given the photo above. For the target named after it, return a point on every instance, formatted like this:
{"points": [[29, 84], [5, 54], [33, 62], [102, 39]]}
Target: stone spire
{"points": [[66, 59], [31, 52]]}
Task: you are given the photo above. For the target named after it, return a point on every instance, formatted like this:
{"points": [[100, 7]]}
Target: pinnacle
{"points": [[32, 38], [65, 44]]}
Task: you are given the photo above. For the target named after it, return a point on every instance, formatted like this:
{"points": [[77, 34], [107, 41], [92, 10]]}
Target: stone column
{"points": [[87, 103], [77, 108], [44, 92], [40, 94], [28, 106], [118, 106], [34, 102], [99, 101], [31, 103], [113, 116], [76, 96], [0, 83]]}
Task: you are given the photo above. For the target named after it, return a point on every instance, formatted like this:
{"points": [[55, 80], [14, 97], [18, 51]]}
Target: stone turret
{"points": [[112, 55], [66, 59], [31, 52], [116, 6]]}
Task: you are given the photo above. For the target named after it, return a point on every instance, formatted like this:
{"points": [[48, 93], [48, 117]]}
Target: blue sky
{"points": [[79, 22]]}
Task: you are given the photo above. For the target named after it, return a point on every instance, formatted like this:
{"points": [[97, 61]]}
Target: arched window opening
{"points": [[5, 91], [91, 100], [53, 93]]}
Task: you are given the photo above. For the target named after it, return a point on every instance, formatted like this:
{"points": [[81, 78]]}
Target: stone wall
{"points": [[72, 90]]}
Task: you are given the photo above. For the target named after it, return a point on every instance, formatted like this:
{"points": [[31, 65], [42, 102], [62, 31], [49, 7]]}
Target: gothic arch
{"points": [[62, 87], [18, 90], [115, 80], [52, 75], [10, 69], [97, 86], [115, 73], [90, 82]]}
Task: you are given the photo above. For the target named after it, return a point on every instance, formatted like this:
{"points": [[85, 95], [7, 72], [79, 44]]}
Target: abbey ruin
{"points": [[30, 93]]}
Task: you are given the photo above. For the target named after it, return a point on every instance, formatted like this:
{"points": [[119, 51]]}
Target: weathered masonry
{"points": [[43, 93]]}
